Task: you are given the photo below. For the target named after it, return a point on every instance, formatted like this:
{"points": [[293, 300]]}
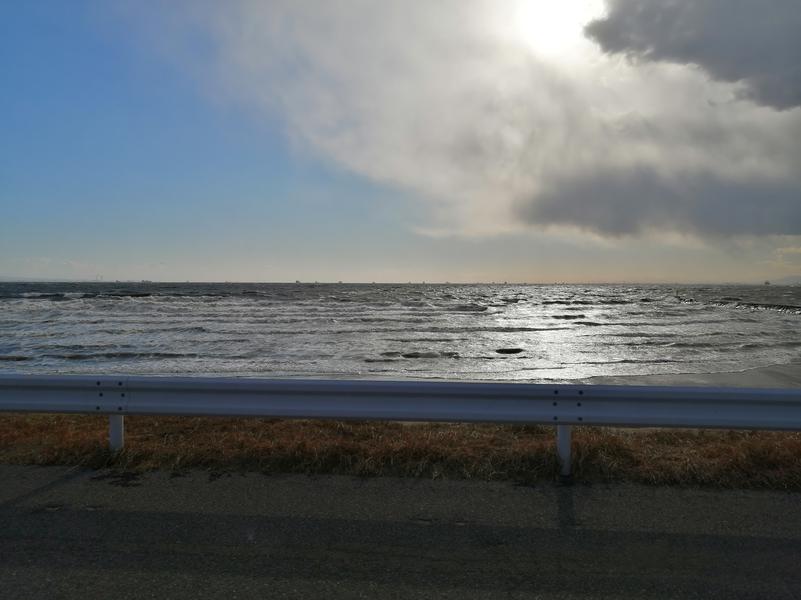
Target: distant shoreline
{"points": [[790, 281]]}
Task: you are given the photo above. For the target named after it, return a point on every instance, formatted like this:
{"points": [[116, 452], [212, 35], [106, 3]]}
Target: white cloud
{"points": [[497, 132]]}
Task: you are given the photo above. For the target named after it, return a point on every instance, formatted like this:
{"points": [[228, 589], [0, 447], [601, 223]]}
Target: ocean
{"points": [[525, 333]]}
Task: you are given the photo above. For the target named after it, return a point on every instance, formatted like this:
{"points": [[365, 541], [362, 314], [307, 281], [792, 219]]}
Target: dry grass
{"points": [[526, 454]]}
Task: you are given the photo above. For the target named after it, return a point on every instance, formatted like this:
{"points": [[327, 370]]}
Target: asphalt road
{"points": [[66, 533]]}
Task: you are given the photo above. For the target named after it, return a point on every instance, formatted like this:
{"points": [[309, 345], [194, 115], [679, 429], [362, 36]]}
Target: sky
{"points": [[458, 140]]}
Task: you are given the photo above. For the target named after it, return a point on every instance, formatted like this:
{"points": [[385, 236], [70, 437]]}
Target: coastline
{"points": [[774, 376]]}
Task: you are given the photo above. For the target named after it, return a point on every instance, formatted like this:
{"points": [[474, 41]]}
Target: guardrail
{"points": [[559, 405]]}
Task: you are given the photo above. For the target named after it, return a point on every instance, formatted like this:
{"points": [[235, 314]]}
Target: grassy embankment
{"points": [[526, 454]]}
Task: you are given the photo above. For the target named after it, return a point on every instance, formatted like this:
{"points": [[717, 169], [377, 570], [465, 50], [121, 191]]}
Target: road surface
{"points": [[69, 533]]}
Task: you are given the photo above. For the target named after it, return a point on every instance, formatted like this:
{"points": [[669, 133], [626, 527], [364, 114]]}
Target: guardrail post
{"points": [[563, 439], [116, 432]]}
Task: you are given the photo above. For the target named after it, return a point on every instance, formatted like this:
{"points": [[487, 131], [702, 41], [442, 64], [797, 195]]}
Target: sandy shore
{"points": [[776, 376]]}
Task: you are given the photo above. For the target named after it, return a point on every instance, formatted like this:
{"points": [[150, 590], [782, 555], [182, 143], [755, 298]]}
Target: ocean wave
{"points": [[627, 361], [430, 354], [313, 330], [466, 308], [424, 339], [122, 355], [789, 308], [770, 344], [736, 302], [495, 329]]}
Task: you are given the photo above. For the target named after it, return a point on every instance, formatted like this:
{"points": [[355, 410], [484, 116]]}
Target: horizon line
{"points": [[29, 280]]}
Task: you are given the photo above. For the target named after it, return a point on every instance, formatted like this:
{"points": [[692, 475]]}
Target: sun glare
{"points": [[553, 28]]}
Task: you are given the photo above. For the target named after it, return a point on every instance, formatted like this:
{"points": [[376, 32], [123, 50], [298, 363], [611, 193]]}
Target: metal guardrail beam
{"points": [[733, 408], [560, 405]]}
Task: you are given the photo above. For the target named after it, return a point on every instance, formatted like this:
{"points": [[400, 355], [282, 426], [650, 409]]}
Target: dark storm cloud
{"points": [[755, 42], [636, 200]]}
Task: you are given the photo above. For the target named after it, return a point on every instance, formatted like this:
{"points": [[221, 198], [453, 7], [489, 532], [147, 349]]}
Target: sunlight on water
{"points": [[464, 332]]}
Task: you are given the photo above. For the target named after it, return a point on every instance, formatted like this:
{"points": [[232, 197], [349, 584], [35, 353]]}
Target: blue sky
{"points": [[111, 157], [142, 145]]}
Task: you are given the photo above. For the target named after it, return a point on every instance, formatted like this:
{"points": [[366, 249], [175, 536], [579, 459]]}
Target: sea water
{"points": [[533, 333]]}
